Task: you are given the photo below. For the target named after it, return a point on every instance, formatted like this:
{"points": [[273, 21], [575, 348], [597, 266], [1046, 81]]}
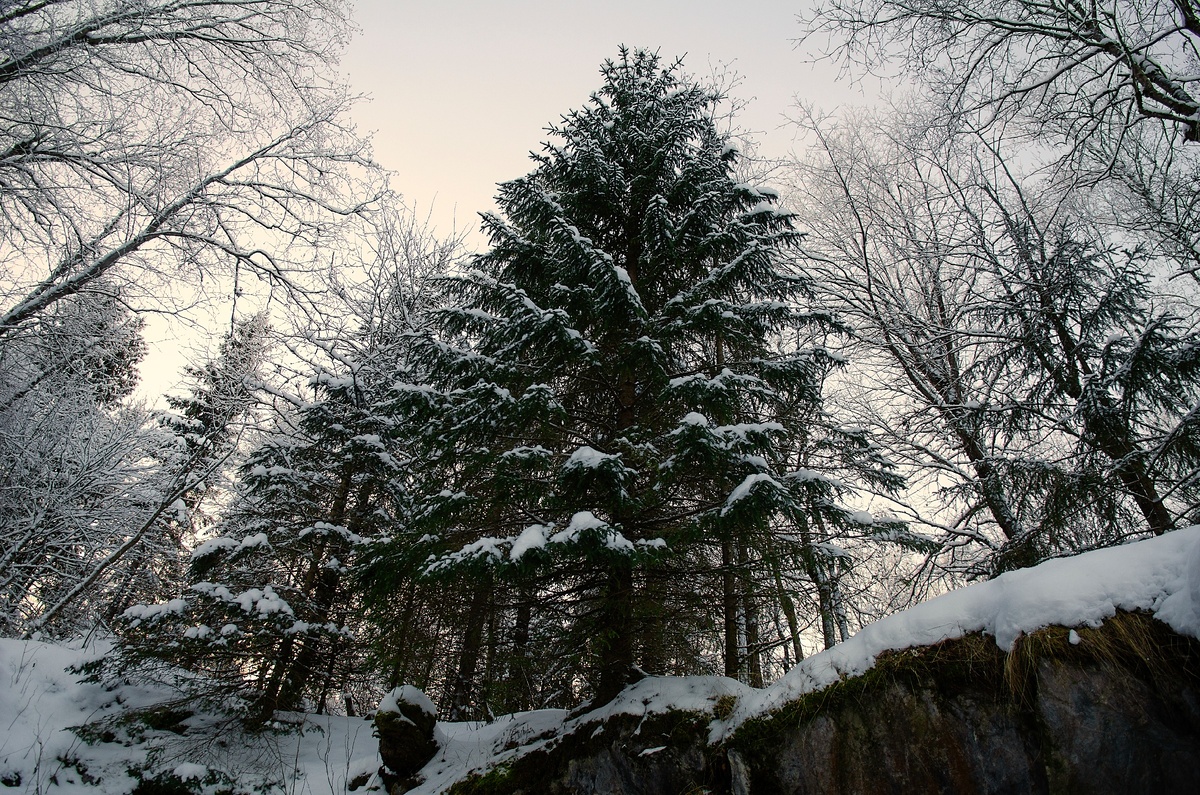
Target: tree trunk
{"points": [[789, 609], [324, 585], [614, 639], [489, 690], [1133, 476], [468, 656], [520, 689], [816, 572], [400, 663], [1112, 439], [729, 609], [753, 656]]}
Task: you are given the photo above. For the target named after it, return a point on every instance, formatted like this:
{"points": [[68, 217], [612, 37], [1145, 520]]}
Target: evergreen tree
{"points": [[91, 344], [1096, 360], [221, 388], [268, 610], [98, 341], [200, 439], [609, 400], [269, 615]]}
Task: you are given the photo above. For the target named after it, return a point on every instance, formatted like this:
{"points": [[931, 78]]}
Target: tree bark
{"points": [[789, 611], [729, 609], [615, 640], [519, 687], [753, 656], [468, 657]]}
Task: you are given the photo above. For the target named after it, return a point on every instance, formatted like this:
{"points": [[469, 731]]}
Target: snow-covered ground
{"points": [[40, 700]]}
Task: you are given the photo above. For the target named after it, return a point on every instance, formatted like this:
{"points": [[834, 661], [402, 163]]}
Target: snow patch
{"points": [[43, 698], [746, 487], [588, 458], [190, 770], [532, 537], [406, 695]]}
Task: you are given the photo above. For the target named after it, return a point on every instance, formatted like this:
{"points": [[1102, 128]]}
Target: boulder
{"points": [[404, 723]]}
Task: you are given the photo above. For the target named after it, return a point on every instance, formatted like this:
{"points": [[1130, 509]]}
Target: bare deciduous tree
{"points": [[166, 144], [1024, 365], [1086, 67], [154, 154]]}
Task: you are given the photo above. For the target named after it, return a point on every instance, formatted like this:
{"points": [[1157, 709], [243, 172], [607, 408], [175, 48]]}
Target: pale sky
{"points": [[458, 92], [461, 90]]}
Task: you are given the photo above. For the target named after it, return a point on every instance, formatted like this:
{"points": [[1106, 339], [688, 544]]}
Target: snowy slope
{"points": [[41, 699]]}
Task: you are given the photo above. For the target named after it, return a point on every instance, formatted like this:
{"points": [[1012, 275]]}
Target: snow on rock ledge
{"points": [[1160, 575], [610, 749]]}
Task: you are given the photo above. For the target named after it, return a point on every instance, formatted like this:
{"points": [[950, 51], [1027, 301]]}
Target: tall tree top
{"points": [[633, 222]]}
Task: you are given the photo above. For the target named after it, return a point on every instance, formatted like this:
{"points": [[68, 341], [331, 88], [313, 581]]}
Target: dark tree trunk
{"points": [[398, 674], [292, 675], [754, 671], [519, 687], [729, 605], [615, 640], [468, 657], [816, 573], [1133, 476], [789, 609]]}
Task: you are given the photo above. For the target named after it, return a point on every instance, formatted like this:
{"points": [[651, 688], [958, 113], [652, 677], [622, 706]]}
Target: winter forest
{"points": [[690, 411]]}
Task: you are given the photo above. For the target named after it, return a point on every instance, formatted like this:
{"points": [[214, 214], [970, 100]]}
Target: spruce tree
{"points": [[269, 610], [609, 398], [1117, 375]]}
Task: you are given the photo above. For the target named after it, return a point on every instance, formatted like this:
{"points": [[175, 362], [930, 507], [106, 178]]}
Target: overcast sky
{"points": [[461, 90]]}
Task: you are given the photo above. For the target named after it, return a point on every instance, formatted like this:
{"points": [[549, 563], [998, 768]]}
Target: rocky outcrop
{"points": [[1117, 710], [404, 723], [1135, 736], [1111, 709], [622, 755]]}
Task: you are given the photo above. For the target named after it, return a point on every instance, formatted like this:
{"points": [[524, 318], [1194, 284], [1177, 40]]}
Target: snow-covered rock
{"points": [[1160, 575]]}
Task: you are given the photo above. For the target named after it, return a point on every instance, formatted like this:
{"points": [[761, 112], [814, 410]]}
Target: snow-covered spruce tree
{"points": [[269, 610], [201, 431], [221, 391], [609, 402]]}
